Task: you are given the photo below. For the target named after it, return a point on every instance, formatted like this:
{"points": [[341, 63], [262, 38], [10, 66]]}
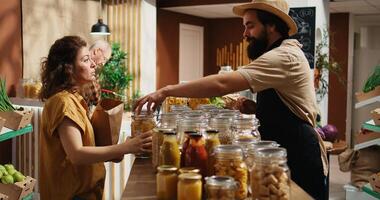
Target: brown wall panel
{"points": [[339, 29], [10, 56], [168, 44]]}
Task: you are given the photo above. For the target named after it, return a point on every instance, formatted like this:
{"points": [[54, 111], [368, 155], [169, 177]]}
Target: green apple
{"points": [[11, 171], [2, 167], [18, 177], [1, 174], [9, 166], [8, 179]]}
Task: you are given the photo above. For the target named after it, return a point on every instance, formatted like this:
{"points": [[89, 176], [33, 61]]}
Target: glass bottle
{"points": [[167, 122], [246, 128], [223, 125], [169, 151], [212, 141], [229, 162], [195, 153], [166, 182], [189, 187], [270, 174], [220, 187], [142, 123]]}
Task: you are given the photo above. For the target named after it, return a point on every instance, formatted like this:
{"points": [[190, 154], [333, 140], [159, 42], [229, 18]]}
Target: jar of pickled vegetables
{"points": [[195, 153], [166, 182], [142, 123], [270, 174], [229, 162], [220, 188], [189, 187], [170, 154], [223, 125], [212, 141], [189, 124]]}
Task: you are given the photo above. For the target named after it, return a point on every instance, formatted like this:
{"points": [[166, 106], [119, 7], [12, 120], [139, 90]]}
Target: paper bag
{"points": [[106, 121]]}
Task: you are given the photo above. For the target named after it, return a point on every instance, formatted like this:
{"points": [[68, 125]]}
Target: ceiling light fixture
{"points": [[100, 28]]}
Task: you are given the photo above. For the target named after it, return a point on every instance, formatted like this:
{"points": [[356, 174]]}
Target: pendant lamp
{"points": [[100, 28]]}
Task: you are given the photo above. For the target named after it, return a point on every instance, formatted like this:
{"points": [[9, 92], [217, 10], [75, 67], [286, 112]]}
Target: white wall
{"points": [[321, 23], [148, 46]]}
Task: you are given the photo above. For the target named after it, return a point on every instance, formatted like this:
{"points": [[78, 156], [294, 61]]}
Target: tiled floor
{"points": [[337, 179]]}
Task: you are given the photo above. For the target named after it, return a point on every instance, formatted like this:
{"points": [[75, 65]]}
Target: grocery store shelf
{"points": [[367, 144], [370, 125], [367, 102], [7, 133]]}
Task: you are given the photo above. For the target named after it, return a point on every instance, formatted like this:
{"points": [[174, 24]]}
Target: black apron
{"points": [[280, 124]]}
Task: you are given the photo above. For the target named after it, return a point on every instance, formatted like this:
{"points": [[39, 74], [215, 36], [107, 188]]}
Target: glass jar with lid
{"points": [[167, 122], [223, 125], [141, 123], [270, 175], [225, 69], [252, 148], [229, 162], [189, 170], [195, 153], [166, 179], [220, 187], [189, 125], [169, 152], [244, 143], [189, 187], [246, 128], [212, 141]]}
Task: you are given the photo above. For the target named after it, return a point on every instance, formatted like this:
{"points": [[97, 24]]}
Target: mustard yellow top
{"points": [[59, 178]]}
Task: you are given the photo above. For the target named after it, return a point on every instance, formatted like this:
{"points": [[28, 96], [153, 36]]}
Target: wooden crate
{"points": [[3, 197], [361, 96], [18, 190], [16, 120], [375, 114]]}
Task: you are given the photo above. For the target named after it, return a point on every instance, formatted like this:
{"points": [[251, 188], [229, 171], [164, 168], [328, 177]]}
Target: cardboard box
{"points": [[16, 120], [375, 114], [3, 197], [18, 190], [361, 96]]}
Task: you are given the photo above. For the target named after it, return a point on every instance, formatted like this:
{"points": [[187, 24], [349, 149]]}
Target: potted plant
{"points": [[114, 78]]}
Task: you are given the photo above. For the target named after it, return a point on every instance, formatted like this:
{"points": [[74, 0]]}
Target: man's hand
{"points": [[155, 98], [245, 105]]}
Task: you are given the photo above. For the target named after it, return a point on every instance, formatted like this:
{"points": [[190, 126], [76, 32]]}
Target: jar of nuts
{"points": [[229, 162], [223, 125], [220, 188], [270, 174]]}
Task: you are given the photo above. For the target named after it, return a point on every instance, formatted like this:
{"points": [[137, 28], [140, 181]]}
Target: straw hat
{"points": [[280, 8]]}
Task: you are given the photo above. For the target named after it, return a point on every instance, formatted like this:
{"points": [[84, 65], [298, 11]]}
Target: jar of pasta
{"points": [[223, 125], [246, 128], [142, 123], [189, 187], [229, 162], [220, 188], [270, 174], [169, 152], [166, 182]]}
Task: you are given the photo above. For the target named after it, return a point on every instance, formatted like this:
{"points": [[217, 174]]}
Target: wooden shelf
{"points": [[367, 102], [7, 133], [367, 144]]}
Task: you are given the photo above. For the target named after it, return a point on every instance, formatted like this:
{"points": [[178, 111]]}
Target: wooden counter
{"points": [[141, 184]]}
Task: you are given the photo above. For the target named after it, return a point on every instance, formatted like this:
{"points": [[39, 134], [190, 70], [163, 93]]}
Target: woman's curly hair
{"points": [[57, 69]]}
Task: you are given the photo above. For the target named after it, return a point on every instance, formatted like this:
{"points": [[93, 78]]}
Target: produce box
{"points": [[3, 197], [16, 120], [18, 190], [361, 96], [376, 116]]}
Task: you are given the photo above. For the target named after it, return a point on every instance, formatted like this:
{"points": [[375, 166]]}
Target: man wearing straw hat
{"points": [[280, 74]]}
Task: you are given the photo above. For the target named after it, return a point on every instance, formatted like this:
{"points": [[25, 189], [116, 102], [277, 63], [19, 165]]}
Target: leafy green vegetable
{"points": [[114, 75], [373, 80], [5, 103], [217, 101]]}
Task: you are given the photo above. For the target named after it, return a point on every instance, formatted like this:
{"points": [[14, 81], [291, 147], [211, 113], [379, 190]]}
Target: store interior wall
{"points": [[44, 21], [366, 57]]}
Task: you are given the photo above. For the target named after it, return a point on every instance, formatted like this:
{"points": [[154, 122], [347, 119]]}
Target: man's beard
{"points": [[257, 46]]}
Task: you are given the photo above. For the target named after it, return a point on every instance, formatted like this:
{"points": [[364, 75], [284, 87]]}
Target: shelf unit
{"points": [[367, 102], [7, 133]]}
